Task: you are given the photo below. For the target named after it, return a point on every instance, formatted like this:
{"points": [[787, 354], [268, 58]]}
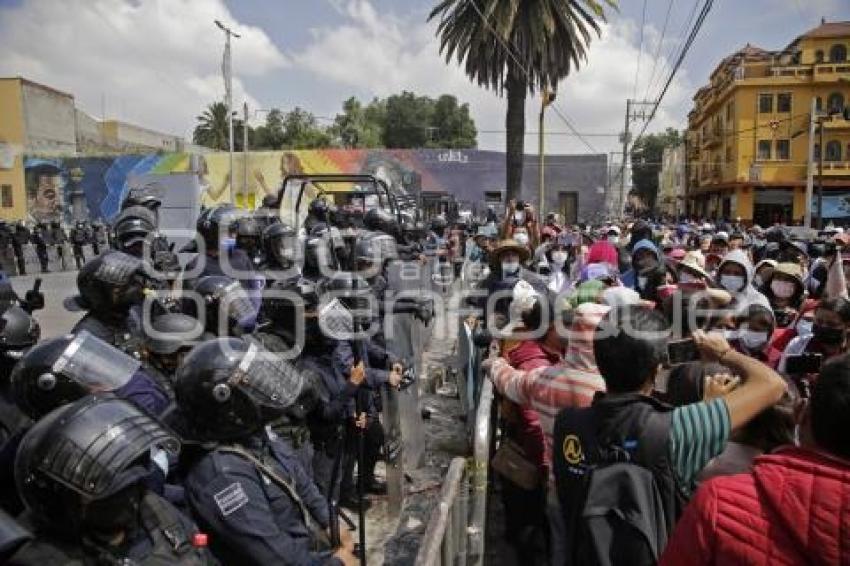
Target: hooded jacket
{"points": [[793, 508], [749, 295], [630, 277]]}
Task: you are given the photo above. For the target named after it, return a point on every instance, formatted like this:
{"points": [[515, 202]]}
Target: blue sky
{"points": [[157, 62]]}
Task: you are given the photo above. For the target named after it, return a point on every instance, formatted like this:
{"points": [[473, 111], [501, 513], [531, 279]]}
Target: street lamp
{"points": [[227, 70]]}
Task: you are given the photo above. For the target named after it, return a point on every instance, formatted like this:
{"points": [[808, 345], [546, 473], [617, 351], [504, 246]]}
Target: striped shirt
{"points": [[570, 383], [698, 433]]}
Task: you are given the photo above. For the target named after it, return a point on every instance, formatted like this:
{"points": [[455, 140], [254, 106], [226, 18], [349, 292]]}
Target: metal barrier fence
{"points": [[445, 540], [457, 531]]}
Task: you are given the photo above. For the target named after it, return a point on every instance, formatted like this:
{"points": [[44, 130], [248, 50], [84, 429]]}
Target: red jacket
{"points": [[793, 508]]}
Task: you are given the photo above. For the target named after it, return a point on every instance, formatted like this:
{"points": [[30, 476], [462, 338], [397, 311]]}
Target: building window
{"points": [[835, 102], [783, 149], [764, 150], [783, 102], [730, 110], [728, 154], [818, 104], [765, 103], [833, 151], [817, 151], [818, 56], [837, 53], [6, 196]]}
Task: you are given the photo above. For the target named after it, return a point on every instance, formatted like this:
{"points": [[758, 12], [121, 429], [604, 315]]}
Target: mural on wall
{"points": [[93, 187]]}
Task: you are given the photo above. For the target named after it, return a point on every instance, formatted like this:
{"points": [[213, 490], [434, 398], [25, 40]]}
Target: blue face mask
{"points": [[228, 243]]}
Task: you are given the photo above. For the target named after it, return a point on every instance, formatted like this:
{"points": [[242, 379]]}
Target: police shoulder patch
{"points": [[231, 498]]}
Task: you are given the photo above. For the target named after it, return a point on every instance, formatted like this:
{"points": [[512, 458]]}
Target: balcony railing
{"points": [[836, 168]]}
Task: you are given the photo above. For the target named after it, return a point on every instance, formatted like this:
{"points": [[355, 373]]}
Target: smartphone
{"points": [[682, 351], [803, 364]]}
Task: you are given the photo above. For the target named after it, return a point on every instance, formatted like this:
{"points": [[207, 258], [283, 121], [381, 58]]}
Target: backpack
{"points": [[613, 508]]}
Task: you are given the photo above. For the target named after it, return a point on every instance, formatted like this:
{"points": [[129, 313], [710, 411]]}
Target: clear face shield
{"points": [[271, 381], [94, 364]]}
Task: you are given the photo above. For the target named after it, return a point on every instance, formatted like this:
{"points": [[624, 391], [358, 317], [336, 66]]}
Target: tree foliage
{"points": [[516, 47], [646, 155], [400, 121]]}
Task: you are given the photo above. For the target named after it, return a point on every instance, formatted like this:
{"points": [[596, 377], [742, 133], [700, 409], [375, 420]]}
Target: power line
{"points": [[675, 48], [640, 49], [685, 48], [658, 49], [510, 52]]}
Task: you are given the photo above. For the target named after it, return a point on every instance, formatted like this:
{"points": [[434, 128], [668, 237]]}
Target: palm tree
{"points": [[212, 128], [517, 47]]}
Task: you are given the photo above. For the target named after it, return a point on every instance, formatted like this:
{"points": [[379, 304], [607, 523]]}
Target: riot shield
{"points": [[407, 283]]}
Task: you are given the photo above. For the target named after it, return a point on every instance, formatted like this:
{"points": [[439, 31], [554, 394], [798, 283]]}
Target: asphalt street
{"points": [[54, 319]]}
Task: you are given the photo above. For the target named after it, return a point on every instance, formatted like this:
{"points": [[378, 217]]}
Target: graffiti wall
{"points": [[61, 189]]}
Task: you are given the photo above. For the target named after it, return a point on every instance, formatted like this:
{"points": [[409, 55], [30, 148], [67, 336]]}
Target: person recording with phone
{"points": [[805, 354], [520, 219]]}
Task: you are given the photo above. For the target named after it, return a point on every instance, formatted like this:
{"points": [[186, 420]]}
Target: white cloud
{"points": [[156, 62], [386, 54]]}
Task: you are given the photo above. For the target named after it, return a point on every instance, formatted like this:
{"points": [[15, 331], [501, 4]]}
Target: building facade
{"points": [[748, 132], [671, 181], [44, 124]]}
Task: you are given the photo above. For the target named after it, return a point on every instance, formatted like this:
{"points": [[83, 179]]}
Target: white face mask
{"points": [[509, 267], [732, 283], [614, 240], [521, 238], [782, 289], [559, 258], [642, 281], [752, 340]]}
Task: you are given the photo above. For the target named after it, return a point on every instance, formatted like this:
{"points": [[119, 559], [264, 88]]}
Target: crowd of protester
{"points": [[673, 392]]}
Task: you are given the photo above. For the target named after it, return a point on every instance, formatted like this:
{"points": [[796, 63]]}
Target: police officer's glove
{"points": [[34, 298]]}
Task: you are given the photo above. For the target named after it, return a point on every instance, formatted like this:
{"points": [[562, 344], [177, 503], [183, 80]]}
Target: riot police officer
{"points": [[353, 354], [111, 288], [249, 239], [216, 226], [227, 308], [79, 237], [99, 510], [20, 238], [58, 239], [243, 484], [41, 238]]}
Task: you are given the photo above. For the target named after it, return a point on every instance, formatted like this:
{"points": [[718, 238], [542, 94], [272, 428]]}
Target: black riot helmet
{"points": [[282, 245], [224, 296], [148, 196], [216, 223], [18, 329], [110, 282], [381, 220], [136, 213], [60, 370], [375, 248], [84, 452], [319, 209], [169, 337], [130, 235], [248, 233], [230, 389]]}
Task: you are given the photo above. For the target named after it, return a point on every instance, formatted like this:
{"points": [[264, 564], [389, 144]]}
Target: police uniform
{"points": [[251, 518], [165, 537]]}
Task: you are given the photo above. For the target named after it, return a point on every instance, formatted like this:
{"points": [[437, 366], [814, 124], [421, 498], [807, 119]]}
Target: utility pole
{"points": [[245, 151], [547, 99], [621, 204], [820, 178], [810, 173], [227, 71], [631, 115]]}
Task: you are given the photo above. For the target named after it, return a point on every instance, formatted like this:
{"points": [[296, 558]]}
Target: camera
{"points": [[804, 363], [682, 351]]}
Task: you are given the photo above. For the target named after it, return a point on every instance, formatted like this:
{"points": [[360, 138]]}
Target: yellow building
{"points": [[748, 132]]}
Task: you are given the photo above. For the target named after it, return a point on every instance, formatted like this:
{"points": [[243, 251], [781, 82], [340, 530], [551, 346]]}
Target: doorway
{"points": [[568, 206]]}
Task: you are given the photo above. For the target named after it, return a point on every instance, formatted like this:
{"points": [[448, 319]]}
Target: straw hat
{"points": [[510, 245], [693, 262]]}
